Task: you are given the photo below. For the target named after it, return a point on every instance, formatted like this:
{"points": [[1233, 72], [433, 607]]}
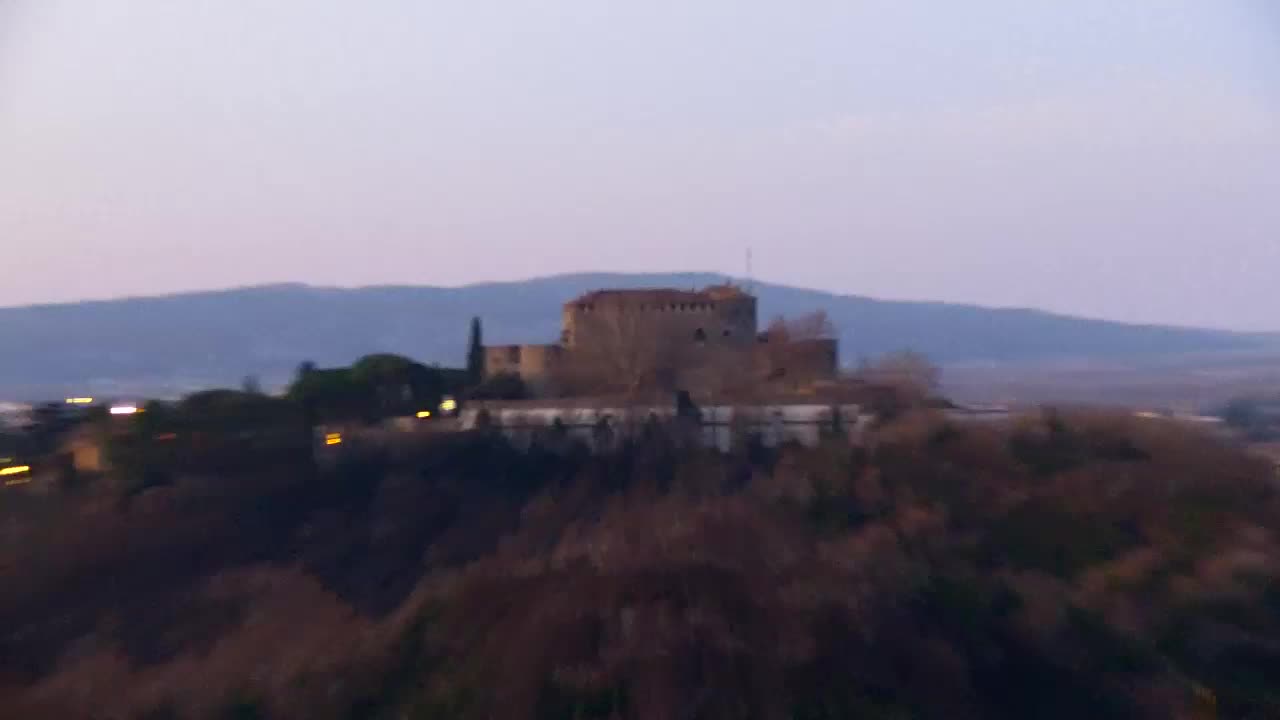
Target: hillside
{"points": [[195, 339], [1064, 566]]}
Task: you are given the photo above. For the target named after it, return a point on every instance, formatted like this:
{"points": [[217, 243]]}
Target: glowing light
{"points": [[424, 413], [80, 401], [16, 470], [17, 481], [333, 439], [125, 410], [448, 405]]}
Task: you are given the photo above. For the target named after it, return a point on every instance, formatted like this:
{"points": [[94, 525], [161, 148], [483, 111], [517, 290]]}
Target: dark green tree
{"points": [[475, 354], [251, 385], [1242, 414], [49, 421], [394, 385], [327, 395], [502, 386]]}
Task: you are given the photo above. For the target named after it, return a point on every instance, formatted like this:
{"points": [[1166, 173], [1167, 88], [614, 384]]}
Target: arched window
{"points": [[700, 335]]}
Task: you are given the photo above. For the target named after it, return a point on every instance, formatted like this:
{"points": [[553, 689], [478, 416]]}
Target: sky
{"points": [[1110, 159]]}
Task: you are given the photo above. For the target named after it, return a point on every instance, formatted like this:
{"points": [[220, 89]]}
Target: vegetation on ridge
{"points": [[1060, 566]]}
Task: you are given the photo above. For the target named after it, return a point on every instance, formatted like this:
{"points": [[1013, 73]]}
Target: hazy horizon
{"points": [[720, 277], [1107, 161]]}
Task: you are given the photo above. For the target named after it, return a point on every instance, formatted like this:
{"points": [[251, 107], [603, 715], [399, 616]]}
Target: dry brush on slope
{"points": [[1059, 566]]}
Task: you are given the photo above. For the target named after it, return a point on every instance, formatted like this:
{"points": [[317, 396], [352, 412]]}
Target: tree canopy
{"points": [[376, 386], [475, 354]]}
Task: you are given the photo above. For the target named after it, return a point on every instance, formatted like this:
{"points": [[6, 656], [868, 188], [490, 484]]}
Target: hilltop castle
{"points": [[692, 339]]}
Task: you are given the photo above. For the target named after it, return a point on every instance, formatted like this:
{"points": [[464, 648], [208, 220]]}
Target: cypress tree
{"points": [[475, 354]]}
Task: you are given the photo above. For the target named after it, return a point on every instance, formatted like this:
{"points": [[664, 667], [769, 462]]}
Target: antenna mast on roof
{"points": [[750, 282]]}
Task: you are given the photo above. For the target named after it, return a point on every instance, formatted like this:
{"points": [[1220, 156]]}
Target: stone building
{"points": [[599, 422], [720, 315], [533, 363], [689, 338]]}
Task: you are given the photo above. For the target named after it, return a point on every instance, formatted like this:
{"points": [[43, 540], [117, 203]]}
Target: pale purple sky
{"points": [[1113, 158]]}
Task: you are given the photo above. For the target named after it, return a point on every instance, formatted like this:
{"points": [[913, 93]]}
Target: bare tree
{"points": [[796, 351], [625, 354], [907, 369], [810, 326]]}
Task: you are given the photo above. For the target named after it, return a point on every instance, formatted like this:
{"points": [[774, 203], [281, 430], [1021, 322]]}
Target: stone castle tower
{"points": [[720, 315], [691, 328]]}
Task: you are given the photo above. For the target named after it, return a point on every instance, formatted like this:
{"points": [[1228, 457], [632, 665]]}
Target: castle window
{"points": [[726, 332], [700, 335]]}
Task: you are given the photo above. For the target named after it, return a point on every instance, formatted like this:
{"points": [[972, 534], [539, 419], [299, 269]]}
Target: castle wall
{"points": [[799, 361], [706, 340], [668, 317], [533, 363], [501, 359]]}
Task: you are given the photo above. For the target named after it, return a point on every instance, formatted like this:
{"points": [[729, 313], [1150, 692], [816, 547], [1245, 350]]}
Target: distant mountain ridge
{"points": [[198, 339]]}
